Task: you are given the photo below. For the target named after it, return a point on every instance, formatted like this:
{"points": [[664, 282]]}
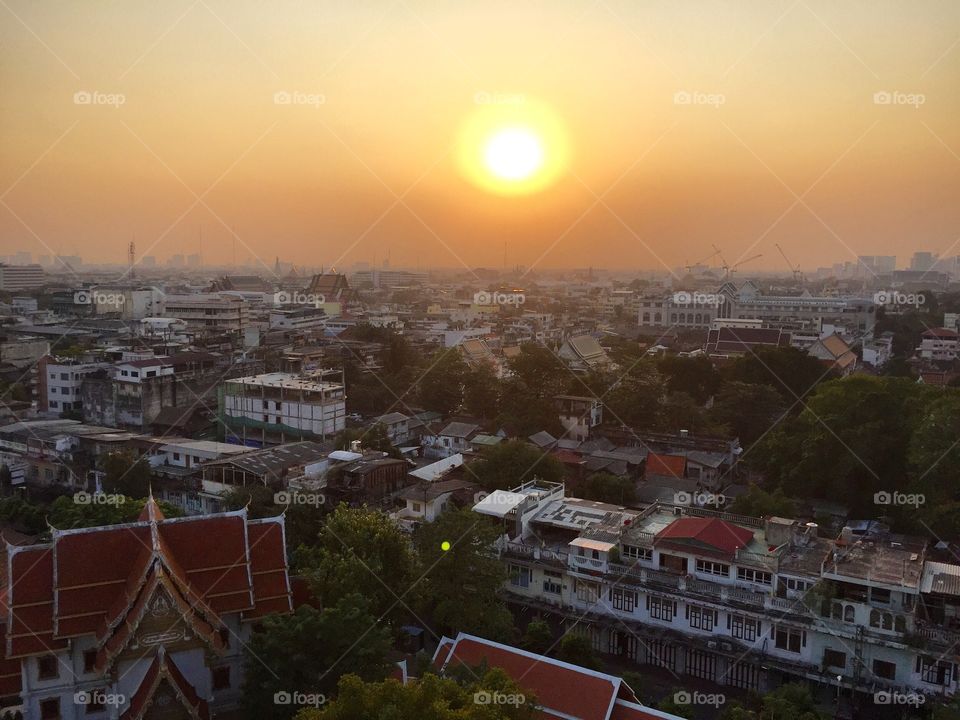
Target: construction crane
{"points": [[700, 262], [730, 269], [797, 275]]}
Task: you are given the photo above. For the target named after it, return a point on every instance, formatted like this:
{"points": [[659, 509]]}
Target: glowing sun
{"points": [[513, 149]]}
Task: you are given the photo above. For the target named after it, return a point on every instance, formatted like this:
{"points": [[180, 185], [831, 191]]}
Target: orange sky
{"points": [[649, 182]]}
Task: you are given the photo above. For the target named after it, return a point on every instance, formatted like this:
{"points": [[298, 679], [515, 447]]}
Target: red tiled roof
{"points": [[212, 565], [710, 534], [666, 465], [164, 669], [559, 687], [941, 333]]}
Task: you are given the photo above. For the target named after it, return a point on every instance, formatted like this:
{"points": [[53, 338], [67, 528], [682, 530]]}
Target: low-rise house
{"points": [[578, 414], [835, 354], [425, 501], [939, 344], [724, 342], [454, 438], [368, 481], [583, 354], [397, 426]]}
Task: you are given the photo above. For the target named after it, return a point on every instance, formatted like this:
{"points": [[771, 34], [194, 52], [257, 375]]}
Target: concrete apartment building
{"points": [[59, 384], [277, 408], [939, 344], [15, 278], [208, 312], [738, 601]]}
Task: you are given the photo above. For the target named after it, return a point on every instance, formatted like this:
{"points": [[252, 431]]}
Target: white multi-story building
{"points": [[734, 600], [277, 408], [58, 385], [14, 278], [939, 344], [206, 313]]}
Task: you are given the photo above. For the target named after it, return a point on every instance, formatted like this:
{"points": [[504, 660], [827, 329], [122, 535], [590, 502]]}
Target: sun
{"points": [[513, 149], [514, 154]]}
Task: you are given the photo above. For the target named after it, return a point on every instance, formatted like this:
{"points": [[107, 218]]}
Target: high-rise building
{"points": [[14, 278], [923, 261], [175, 261]]}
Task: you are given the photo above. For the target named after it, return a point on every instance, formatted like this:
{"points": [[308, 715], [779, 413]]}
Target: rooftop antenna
{"points": [[132, 256]]}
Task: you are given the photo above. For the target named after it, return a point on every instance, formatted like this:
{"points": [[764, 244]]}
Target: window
{"points": [[798, 585], [95, 700], [637, 553], [849, 614], [743, 628], [661, 608], [89, 661], [64, 376], [625, 600], [221, 678], [834, 659], [713, 568], [885, 670], [176, 456], [552, 582], [416, 507], [754, 576], [48, 667], [936, 672], [519, 576], [588, 592], [54, 403], [789, 639], [50, 709], [702, 618], [880, 596]]}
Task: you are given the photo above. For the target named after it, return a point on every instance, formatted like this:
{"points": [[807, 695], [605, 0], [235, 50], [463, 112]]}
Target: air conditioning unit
{"points": [[712, 644]]}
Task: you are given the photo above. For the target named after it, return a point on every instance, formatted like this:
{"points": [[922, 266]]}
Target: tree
{"points": [[67, 512], [461, 588], [441, 388], [429, 698], [681, 412], [359, 550], [747, 410], [634, 400], [578, 649], [695, 376], [757, 502], [671, 704], [933, 451], [374, 437], [126, 474], [481, 392], [306, 652], [256, 497], [791, 372], [792, 701], [538, 638], [540, 371], [607, 488], [508, 464]]}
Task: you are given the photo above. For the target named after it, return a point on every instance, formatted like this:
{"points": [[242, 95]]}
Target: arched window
{"points": [[887, 621], [875, 618], [900, 624], [673, 318], [646, 317], [836, 611], [656, 318], [699, 319], [849, 614]]}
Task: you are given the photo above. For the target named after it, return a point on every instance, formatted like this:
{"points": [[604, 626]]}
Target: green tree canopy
{"points": [[126, 473], [506, 465]]}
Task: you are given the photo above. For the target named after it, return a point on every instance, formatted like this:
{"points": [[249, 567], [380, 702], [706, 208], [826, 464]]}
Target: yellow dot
{"points": [[445, 545]]}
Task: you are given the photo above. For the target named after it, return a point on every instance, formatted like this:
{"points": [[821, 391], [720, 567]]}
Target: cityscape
{"points": [[558, 360]]}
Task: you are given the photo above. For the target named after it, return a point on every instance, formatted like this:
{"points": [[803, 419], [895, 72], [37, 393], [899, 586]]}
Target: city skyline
{"points": [[329, 136]]}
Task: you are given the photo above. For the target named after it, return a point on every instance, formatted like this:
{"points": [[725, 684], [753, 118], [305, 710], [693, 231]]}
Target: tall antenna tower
{"points": [[132, 258]]}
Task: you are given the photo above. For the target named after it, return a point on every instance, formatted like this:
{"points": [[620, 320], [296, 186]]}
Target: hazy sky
{"points": [[782, 141]]}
